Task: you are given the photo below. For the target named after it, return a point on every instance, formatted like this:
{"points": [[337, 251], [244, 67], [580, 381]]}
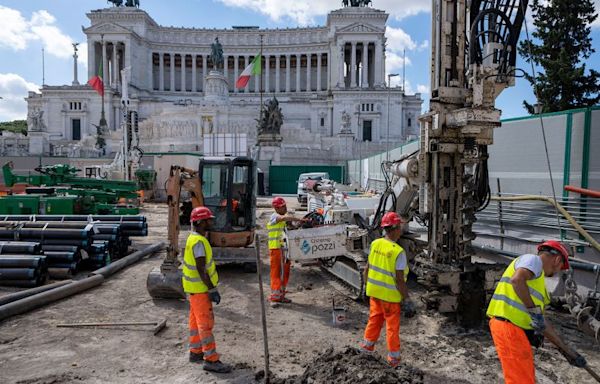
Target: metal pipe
{"points": [[128, 260], [21, 261], [30, 292], [8, 247], [582, 191], [87, 218], [38, 300]]}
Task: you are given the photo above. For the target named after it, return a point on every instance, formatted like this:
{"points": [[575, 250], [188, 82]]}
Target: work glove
{"points": [[575, 359], [537, 320], [214, 296], [409, 309]]}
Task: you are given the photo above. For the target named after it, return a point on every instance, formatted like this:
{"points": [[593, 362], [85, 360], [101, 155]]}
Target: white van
{"points": [[302, 197]]}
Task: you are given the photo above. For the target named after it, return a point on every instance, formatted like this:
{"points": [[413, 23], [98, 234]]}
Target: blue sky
{"points": [[30, 25]]}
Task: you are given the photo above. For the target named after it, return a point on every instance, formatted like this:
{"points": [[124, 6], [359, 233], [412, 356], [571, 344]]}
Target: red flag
{"points": [[97, 83]]}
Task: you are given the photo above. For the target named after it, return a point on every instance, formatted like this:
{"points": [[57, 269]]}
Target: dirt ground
{"points": [[34, 350]]}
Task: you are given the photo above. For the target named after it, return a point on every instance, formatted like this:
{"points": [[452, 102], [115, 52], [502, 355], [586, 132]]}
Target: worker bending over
{"points": [[280, 266], [200, 280], [516, 312], [385, 276]]}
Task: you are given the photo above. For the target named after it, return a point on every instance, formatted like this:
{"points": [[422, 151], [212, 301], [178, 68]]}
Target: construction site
{"points": [[476, 246]]}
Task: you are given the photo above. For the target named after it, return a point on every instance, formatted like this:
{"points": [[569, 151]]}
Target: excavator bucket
{"points": [[165, 283]]}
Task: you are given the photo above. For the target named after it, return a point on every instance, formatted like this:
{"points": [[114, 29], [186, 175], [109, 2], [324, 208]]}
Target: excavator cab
{"points": [[226, 185]]}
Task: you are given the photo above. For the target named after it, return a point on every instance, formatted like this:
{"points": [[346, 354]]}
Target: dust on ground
{"points": [[301, 335]]}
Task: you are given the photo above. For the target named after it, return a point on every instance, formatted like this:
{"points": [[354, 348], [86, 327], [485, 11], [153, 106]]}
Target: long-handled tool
{"points": [[262, 310], [586, 367], [158, 325]]}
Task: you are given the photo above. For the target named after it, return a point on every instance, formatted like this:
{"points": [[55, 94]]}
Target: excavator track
{"points": [[348, 270]]}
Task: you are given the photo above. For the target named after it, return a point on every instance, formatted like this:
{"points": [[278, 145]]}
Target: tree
{"points": [[561, 45], [17, 126]]}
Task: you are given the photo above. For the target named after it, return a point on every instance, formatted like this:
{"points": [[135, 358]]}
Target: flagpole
{"points": [[261, 76], [102, 115]]}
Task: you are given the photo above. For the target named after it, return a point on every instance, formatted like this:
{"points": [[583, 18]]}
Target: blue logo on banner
{"points": [[305, 247]]}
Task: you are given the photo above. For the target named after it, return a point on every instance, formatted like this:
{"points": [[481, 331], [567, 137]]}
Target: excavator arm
{"points": [[165, 282]]}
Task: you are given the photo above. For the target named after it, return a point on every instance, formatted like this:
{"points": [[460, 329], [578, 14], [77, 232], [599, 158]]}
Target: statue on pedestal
{"points": [[271, 119], [216, 55]]}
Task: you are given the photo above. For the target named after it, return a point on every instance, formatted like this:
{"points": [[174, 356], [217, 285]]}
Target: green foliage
{"points": [[18, 126], [561, 45]]}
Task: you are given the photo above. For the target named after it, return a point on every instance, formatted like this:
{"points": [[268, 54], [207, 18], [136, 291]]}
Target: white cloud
{"points": [[17, 32], [13, 90], [423, 89], [398, 40], [305, 12]]}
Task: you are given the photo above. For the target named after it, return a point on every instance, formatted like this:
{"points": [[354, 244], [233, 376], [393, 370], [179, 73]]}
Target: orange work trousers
{"points": [[380, 312], [514, 351], [280, 274], [201, 324]]}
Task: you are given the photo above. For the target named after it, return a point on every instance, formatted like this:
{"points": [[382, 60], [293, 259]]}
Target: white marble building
{"points": [[327, 79]]}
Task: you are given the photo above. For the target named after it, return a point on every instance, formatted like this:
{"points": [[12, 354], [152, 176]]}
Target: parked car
{"points": [[302, 196]]}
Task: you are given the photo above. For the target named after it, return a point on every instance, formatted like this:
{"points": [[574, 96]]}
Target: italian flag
{"points": [[255, 68], [96, 81]]}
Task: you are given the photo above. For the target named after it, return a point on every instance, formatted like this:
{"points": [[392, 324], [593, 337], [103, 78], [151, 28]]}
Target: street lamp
{"points": [[387, 143]]}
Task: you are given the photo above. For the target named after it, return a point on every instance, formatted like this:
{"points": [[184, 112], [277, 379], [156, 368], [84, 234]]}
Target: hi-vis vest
{"points": [[275, 232], [381, 280], [192, 283], [506, 303]]}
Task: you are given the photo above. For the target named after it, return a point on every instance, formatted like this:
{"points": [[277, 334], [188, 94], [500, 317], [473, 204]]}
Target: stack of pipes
{"points": [[22, 265]]}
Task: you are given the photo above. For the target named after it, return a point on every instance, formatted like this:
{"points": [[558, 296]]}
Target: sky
{"points": [[28, 26]]}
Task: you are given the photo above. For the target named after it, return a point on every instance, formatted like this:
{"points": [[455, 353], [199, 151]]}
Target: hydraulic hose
{"points": [[560, 208]]}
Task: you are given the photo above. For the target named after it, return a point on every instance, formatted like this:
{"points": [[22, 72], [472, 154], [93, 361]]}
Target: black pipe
{"points": [[40, 233], [43, 298], [18, 274], [128, 260], [61, 272], [60, 248], [22, 261], [21, 283], [18, 247], [576, 264], [115, 218], [73, 242], [29, 292]]}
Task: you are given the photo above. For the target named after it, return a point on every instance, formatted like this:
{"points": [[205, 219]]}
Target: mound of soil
{"points": [[352, 366]]}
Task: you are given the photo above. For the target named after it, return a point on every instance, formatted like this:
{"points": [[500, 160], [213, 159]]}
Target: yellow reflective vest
{"points": [[381, 279], [192, 283], [275, 232], [506, 303]]}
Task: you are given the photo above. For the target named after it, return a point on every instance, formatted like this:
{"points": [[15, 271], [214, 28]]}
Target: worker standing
{"points": [[280, 266], [516, 312], [385, 276], [200, 280]]}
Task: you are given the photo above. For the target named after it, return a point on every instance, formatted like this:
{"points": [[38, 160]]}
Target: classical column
{"points": [[298, 70], [236, 71], [172, 78], [105, 78], [341, 66], [319, 75], [308, 74], [151, 70], [226, 69], [92, 69], [257, 83], [161, 71], [353, 70], [194, 75], [277, 73], [183, 85], [115, 66], [378, 72], [127, 60], [288, 73], [267, 74], [246, 62], [204, 65], [365, 65]]}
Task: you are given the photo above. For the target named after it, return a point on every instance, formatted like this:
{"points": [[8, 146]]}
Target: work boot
{"points": [[216, 366], [274, 304], [285, 300], [196, 357]]}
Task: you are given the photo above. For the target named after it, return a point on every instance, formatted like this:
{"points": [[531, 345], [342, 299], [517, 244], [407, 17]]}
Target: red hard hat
{"points": [[390, 219], [201, 213], [556, 247], [278, 202]]}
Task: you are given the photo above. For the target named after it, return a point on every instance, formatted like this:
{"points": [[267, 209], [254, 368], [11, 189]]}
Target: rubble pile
{"points": [[351, 366]]}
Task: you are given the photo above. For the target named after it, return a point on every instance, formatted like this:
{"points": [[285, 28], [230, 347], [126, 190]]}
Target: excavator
{"points": [[226, 185]]}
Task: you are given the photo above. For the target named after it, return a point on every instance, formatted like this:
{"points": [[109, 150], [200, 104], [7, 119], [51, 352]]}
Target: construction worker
{"points": [[280, 266], [200, 280], [385, 276], [516, 312]]}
